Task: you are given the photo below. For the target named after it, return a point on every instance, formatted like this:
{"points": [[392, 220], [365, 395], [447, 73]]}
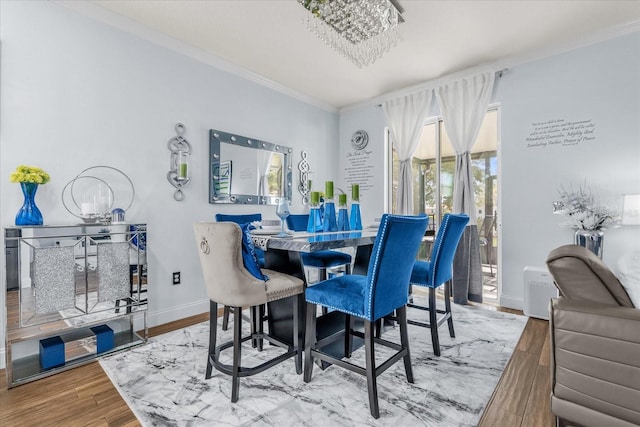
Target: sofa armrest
{"points": [[595, 357]]}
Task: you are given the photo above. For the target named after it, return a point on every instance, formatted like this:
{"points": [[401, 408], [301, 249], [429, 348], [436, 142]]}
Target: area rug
{"points": [[163, 381]]}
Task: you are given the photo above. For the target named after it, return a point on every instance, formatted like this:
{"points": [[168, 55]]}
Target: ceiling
{"points": [[270, 39]]}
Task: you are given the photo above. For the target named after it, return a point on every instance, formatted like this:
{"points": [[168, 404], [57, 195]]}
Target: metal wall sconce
{"points": [[178, 174], [304, 186]]}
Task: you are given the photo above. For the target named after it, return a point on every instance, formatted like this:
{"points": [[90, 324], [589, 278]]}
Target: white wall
{"points": [[76, 93], [370, 119], [598, 83]]}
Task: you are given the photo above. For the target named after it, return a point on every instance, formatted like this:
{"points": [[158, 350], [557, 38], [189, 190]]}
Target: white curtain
{"points": [[463, 104], [405, 118]]}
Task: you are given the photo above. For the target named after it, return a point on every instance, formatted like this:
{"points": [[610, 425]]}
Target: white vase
{"points": [[590, 239]]}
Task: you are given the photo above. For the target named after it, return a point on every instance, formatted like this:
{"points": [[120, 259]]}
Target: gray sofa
{"points": [[595, 343]]}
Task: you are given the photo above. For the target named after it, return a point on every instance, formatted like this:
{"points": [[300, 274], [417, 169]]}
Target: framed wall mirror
{"points": [[247, 171]]}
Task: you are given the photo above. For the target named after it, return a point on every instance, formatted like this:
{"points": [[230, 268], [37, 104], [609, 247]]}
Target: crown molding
{"points": [[133, 27], [508, 62]]}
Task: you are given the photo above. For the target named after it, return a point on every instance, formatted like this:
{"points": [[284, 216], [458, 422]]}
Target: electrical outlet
{"points": [[176, 277]]}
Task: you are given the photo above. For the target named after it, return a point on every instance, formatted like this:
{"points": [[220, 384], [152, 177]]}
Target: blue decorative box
{"points": [[51, 352], [105, 339]]}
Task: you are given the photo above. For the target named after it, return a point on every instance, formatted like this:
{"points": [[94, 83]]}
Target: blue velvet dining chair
{"points": [[320, 260], [371, 297], [438, 271], [239, 219]]}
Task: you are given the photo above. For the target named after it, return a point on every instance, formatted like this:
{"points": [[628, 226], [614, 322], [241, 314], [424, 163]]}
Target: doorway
{"points": [[433, 166]]}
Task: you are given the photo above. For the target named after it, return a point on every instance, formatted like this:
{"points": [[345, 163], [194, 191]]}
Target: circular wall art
{"points": [[359, 140]]}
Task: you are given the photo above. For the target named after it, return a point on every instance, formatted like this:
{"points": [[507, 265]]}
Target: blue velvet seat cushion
{"points": [[320, 259], [325, 259], [249, 258], [421, 274], [342, 293]]}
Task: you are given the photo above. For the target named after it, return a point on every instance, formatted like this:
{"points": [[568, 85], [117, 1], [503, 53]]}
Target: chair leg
{"points": [[322, 275], [253, 323], [213, 328], [348, 338], [447, 307], [237, 337], [309, 341], [404, 341], [296, 332], [433, 321], [260, 324], [370, 362], [225, 318]]}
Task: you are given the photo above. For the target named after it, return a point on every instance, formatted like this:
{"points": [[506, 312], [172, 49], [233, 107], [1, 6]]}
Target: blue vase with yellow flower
{"points": [[29, 178], [29, 214]]}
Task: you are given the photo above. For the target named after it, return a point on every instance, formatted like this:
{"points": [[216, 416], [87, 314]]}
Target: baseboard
{"points": [[511, 302], [176, 313]]}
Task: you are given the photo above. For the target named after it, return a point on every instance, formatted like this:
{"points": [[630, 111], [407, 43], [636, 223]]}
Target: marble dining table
{"points": [[283, 254]]}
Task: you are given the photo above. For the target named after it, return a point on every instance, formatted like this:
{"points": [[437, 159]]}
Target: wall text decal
{"points": [[561, 133], [360, 170]]}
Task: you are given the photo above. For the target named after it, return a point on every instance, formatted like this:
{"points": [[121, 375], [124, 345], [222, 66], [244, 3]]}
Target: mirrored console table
{"points": [[74, 293]]}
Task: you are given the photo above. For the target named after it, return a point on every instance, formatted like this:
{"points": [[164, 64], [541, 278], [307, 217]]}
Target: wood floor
{"points": [[522, 396], [84, 396]]}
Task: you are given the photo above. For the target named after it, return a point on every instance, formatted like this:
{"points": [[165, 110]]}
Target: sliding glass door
{"points": [[433, 166]]}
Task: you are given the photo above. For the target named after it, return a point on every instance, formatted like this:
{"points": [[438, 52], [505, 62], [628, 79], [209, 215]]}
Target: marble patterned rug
{"points": [[163, 380]]}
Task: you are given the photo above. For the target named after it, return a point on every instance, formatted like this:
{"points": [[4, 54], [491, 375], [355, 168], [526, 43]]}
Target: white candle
{"points": [[88, 208]]}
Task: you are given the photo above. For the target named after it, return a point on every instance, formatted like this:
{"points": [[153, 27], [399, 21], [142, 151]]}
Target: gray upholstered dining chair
{"points": [[239, 219], [231, 280]]}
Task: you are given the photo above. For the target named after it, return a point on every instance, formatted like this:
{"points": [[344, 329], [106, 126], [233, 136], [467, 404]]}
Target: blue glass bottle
{"points": [[329, 219], [355, 218], [315, 217], [343, 217], [315, 220]]}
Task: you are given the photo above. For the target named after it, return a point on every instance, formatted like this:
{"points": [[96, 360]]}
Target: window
{"points": [[433, 168]]}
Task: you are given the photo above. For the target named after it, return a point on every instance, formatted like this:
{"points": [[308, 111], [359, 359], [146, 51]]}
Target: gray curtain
{"points": [[467, 268], [463, 104]]}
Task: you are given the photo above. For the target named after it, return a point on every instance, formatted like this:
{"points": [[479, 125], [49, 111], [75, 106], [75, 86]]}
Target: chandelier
{"points": [[361, 30]]}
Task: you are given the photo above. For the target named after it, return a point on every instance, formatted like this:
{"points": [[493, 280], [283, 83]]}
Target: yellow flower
{"points": [[31, 174]]}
